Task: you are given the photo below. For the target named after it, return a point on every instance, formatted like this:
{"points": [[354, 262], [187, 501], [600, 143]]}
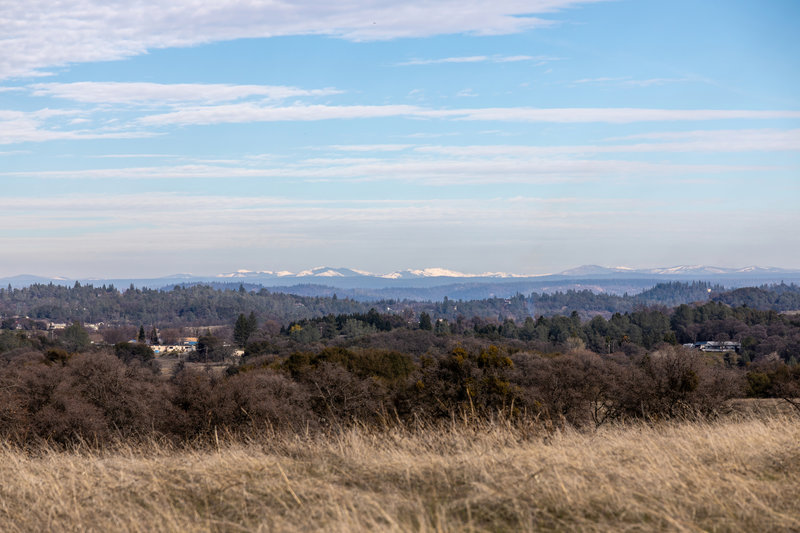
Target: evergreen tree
{"points": [[154, 337], [141, 338], [252, 323], [425, 321], [241, 331], [211, 348], [75, 338]]}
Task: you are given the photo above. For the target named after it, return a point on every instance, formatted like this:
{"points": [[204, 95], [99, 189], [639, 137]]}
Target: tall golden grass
{"points": [[735, 474]]}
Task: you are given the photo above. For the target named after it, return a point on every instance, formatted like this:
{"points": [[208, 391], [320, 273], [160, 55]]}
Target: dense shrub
{"points": [[90, 396], [774, 379], [673, 381], [133, 351], [477, 382], [192, 402], [574, 388], [261, 399], [96, 396]]}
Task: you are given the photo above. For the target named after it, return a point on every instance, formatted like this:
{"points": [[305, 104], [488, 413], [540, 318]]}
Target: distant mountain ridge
{"points": [[584, 270], [435, 283], [329, 272], [680, 270]]}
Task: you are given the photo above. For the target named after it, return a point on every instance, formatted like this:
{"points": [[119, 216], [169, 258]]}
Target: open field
{"points": [[741, 473]]}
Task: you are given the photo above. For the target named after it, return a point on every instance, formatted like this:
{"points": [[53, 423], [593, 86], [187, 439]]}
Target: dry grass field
{"points": [[740, 473]]}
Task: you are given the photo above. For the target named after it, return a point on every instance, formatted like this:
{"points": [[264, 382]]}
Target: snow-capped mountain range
{"points": [[582, 271], [328, 272], [592, 277], [681, 270]]}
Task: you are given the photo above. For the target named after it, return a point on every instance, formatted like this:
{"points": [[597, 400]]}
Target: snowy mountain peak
{"points": [[329, 272], [437, 272], [678, 270]]}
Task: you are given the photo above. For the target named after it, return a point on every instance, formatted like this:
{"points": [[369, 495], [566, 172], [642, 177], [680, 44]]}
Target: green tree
{"points": [[75, 338], [141, 338], [425, 321], [252, 323], [154, 337], [242, 330], [130, 351], [211, 348]]}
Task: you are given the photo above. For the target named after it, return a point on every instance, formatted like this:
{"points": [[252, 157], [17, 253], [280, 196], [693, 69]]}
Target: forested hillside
{"points": [[203, 305], [198, 304]]}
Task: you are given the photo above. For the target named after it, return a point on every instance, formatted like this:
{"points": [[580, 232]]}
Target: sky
{"points": [[148, 138]]}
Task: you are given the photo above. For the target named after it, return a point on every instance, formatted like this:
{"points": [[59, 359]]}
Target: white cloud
{"points": [[627, 81], [466, 93], [655, 81], [177, 214], [767, 140], [461, 59], [132, 156], [480, 167], [514, 59], [599, 80], [371, 147], [105, 234], [39, 34], [607, 115], [165, 94], [706, 135], [478, 59], [43, 125], [251, 112]]}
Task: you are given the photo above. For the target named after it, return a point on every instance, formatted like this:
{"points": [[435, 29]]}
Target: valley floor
{"points": [[739, 473]]}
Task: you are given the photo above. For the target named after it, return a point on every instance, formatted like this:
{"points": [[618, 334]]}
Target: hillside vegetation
{"points": [[204, 305]]}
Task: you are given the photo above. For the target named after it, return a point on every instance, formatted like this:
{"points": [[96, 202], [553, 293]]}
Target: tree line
{"points": [[203, 305]]}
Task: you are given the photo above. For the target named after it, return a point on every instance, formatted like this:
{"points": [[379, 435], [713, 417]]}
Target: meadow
{"points": [[738, 472]]}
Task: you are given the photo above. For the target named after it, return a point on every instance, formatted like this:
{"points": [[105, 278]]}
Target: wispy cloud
{"points": [[169, 94], [720, 141], [459, 166], [650, 82], [624, 115], [223, 216], [477, 59], [78, 30], [599, 80], [250, 112], [76, 124], [47, 125], [96, 226], [371, 147], [460, 59], [627, 81], [132, 156]]}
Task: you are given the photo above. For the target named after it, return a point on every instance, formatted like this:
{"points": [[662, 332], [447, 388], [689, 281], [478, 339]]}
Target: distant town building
{"points": [[162, 349], [715, 346]]}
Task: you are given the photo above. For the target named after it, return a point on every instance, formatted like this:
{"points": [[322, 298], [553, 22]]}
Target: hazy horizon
{"points": [[526, 138], [319, 275]]}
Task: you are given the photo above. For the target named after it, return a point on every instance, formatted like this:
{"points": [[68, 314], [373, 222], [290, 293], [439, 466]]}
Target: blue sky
{"points": [[516, 136]]}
